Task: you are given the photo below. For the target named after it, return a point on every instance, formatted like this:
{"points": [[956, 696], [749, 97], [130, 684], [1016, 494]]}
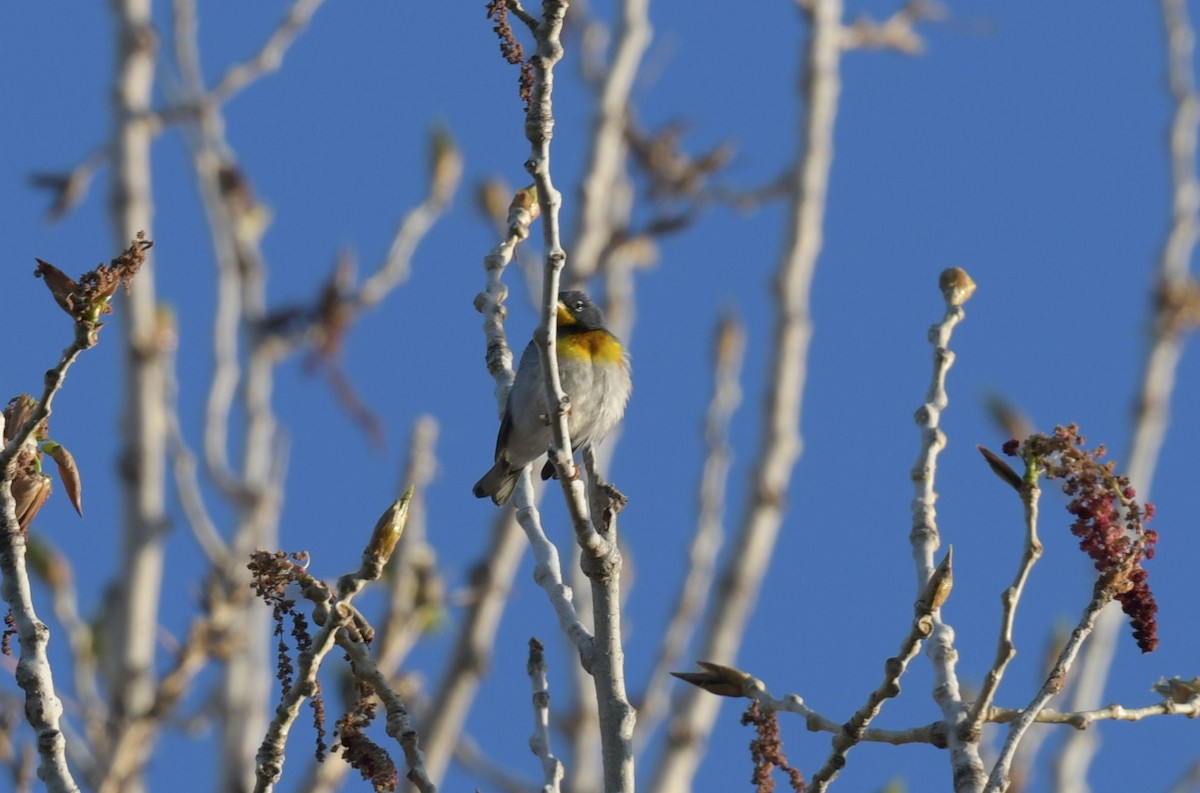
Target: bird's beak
{"points": [[564, 316]]}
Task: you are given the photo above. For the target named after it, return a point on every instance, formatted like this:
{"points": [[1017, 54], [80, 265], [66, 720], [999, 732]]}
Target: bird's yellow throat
{"points": [[598, 346]]}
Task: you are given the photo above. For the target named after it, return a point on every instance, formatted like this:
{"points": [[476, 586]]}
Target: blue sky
{"points": [[1025, 145]]}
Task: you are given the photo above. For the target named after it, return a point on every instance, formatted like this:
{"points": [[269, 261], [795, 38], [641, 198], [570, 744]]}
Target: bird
{"points": [[593, 367]]}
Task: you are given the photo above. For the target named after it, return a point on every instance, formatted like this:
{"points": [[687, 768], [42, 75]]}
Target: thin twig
{"points": [[596, 536], [547, 572], [956, 287], [894, 668], [445, 172], [1152, 402], [1081, 720], [491, 582], [71, 188], [998, 780], [729, 349], [607, 154], [897, 32], [522, 211], [468, 754], [415, 587], [399, 720], [338, 619], [520, 13], [83, 650], [730, 682], [187, 483], [539, 742], [270, 56], [1006, 650], [135, 745], [43, 708]]}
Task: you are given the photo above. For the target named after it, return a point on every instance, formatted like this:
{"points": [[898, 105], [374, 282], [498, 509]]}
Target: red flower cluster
{"points": [[1109, 521]]}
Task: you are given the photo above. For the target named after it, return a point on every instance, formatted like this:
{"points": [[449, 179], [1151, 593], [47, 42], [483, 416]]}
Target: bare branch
{"points": [[444, 174], [415, 587], [539, 742], [135, 745], [60, 577], [471, 757], [132, 613], [607, 154], [729, 350], [522, 211], [596, 536], [491, 581], [547, 572], [730, 682], [1081, 720], [956, 286], [70, 188], [998, 780], [520, 13], [898, 32], [187, 483], [1152, 401], [270, 56], [1005, 648], [43, 708], [22, 427], [853, 730], [339, 623], [399, 721]]}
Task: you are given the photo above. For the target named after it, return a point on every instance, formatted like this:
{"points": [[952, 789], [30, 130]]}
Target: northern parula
{"points": [[594, 370]]}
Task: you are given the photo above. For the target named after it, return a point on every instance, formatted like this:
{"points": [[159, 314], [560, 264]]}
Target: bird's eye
{"points": [[579, 305]]}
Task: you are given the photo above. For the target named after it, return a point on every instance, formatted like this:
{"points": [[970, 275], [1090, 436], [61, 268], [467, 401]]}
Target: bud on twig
{"points": [[724, 681], [957, 287], [524, 208], [387, 532], [446, 164], [937, 591]]}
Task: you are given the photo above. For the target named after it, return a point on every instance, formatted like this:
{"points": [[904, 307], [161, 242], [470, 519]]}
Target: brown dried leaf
{"points": [[1001, 468], [30, 491], [61, 286], [68, 471]]}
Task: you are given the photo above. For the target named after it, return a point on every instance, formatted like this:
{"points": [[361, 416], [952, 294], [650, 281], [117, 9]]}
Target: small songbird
{"points": [[594, 370]]}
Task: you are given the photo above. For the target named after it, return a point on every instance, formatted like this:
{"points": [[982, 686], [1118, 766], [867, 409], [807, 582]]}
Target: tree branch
{"points": [[1153, 399], [957, 288], [851, 733], [1005, 648], [539, 742], [729, 350]]}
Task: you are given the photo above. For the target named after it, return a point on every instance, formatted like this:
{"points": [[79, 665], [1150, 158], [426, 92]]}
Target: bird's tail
{"points": [[498, 483]]}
